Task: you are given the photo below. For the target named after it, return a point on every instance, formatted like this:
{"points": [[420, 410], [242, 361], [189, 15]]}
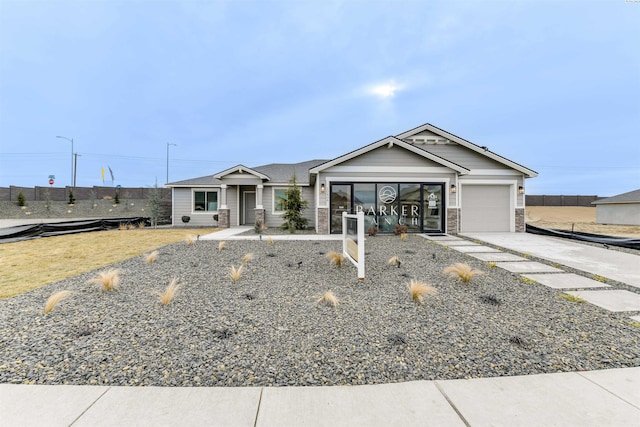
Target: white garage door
{"points": [[485, 208]]}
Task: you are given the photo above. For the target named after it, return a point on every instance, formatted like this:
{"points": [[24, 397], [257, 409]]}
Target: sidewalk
{"points": [[594, 398]]}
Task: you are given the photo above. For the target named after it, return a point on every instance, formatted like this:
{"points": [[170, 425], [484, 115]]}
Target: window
{"points": [[279, 198], [205, 201]]}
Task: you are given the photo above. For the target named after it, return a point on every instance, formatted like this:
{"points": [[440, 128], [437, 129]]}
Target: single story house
{"points": [[426, 178], [623, 209]]}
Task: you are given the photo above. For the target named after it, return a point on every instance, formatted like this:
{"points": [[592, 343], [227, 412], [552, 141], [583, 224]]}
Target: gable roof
{"points": [[390, 141], [629, 197], [273, 173], [241, 169], [529, 173]]}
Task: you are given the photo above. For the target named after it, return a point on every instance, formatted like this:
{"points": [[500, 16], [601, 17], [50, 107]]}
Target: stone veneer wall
{"points": [[224, 218], [520, 227], [259, 215], [323, 221], [452, 220]]}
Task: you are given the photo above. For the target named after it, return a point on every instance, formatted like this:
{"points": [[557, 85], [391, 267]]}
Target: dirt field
{"points": [[582, 219]]}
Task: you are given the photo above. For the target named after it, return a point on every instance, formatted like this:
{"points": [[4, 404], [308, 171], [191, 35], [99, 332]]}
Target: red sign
{"points": [[51, 182]]}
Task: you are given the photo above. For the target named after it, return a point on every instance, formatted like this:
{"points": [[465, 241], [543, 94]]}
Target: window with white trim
{"points": [[205, 201], [279, 199]]}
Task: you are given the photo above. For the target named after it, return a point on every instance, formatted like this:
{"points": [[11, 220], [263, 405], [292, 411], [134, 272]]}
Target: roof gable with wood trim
{"points": [[433, 139]]}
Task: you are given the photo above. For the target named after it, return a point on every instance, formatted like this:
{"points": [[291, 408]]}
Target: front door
{"points": [[249, 203], [340, 202]]}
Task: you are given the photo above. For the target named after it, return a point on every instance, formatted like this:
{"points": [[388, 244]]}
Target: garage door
{"points": [[485, 208]]}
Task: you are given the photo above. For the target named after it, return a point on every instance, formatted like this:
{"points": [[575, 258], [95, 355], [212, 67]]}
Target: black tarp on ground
{"points": [[625, 242], [34, 231]]}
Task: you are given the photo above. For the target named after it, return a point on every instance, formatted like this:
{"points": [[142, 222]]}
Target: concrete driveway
{"points": [[612, 264]]}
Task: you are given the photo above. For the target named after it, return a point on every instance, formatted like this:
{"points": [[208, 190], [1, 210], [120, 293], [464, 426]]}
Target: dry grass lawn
{"points": [[34, 263], [583, 219]]}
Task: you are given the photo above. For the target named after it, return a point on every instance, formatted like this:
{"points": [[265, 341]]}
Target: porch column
{"points": [[322, 227], [223, 196], [223, 211], [259, 189], [259, 210], [453, 216]]}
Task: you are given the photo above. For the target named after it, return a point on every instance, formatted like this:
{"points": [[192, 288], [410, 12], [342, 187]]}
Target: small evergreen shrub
{"points": [[22, 201], [72, 198], [294, 204]]}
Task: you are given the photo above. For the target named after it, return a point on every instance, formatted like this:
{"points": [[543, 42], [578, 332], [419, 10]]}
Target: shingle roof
{"points": [[629, 197], [283, 172], [277, 172]]}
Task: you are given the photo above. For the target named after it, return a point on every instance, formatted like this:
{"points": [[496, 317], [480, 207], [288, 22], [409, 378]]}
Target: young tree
{"points": [[294, 204], [154, 198]]}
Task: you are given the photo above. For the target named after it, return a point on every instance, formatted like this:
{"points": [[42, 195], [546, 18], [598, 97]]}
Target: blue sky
{"points": [[553, 85]]}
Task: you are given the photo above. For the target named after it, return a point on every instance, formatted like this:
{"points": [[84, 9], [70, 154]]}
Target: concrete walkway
{"points": [[615, 265], [237, 233], [594, 398]]}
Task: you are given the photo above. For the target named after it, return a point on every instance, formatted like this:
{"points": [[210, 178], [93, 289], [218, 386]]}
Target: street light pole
{"points": [[75, 167], [175, 145], [72, 160]]}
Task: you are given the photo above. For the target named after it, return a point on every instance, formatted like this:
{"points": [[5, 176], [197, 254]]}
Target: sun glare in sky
{"points": [[385, 90]]}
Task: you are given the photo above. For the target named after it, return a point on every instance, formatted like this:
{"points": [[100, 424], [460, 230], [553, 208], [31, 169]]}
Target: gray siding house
{"points": [[623, 209], [426, 178]]}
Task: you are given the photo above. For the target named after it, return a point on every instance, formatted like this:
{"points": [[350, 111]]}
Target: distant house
{"points": [[426, 178], [623, 209]]}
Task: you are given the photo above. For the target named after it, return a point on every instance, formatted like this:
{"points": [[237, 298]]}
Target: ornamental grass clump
{"points": [[54, 299], [109, 280], [167, 296], [151, 258], [235, 273], [329, 299], [462, 271], [418, 290], [190, 240], [246, 258], [394, 261], [222, 245], [335, 258]]}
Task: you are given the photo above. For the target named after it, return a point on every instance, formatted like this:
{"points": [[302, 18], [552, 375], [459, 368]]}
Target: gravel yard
{"points": [[267, 329]]}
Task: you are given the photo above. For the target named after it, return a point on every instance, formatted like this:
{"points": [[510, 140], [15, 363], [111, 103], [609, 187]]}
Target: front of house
{"points": [[426, 178]]}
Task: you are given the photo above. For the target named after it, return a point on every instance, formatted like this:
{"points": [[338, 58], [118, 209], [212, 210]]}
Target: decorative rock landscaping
{"points": [[268, 329]]}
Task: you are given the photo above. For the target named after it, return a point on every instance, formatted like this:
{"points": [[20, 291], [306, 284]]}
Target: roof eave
{"points": [[389, 141], [529, 173]]}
